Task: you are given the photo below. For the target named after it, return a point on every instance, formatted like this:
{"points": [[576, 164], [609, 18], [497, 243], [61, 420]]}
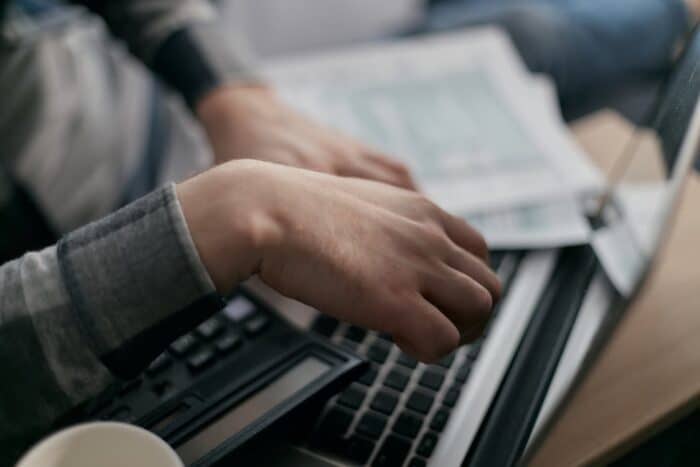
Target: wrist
{"points": [[229, 115], [224, 100], [226, 223], [693, 8]]}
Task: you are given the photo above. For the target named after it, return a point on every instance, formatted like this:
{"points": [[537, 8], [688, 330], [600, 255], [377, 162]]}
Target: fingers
{"points": [[360, 168], [453, 309], [465, 236], [424, 332], [475, 268], [400, 171], [353, 159], [462, 299]]}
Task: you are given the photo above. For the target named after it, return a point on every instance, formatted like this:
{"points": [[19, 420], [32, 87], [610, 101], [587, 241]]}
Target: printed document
{"points": [[460, 110]]}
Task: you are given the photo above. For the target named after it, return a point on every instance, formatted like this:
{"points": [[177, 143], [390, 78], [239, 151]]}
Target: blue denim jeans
{"points": [[583, 44]]}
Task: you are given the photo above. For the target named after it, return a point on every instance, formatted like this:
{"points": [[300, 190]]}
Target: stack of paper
{"points": [[627, 243], [483, 136]]}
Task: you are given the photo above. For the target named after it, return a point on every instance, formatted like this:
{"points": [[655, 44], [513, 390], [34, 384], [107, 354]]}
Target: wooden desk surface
{"points": [[649, 373]]}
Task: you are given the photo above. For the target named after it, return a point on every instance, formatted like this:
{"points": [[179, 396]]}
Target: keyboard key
{"points": [[463, 373], [408, 425], [200, 360], [369, 376], [336, 422], [440, 419], [355, 333], [162, 388], [420, 402], [396, 379], [239, 309], [432, 379], [226, 344], [496, 259], [407, 361], [371, 424], [417, 462], [210, 328], [393, 452], [386, 336], [105, 400], [161, 362], [474, 351], [121, 414], [352, 397], [130, 385], [384, 402], [325, 325], [348, 344], [446, 362], [359, 449], [379, 351], [331, 430], [183, 345], [256, 325], [427, 444], [451, 396], [383, 344]]}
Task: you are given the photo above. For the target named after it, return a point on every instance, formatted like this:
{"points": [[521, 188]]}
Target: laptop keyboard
{"points": [[393, 415]]}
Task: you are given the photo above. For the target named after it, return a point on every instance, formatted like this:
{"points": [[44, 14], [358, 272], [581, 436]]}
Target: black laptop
{"points": [[490, 402], [250, 388]]}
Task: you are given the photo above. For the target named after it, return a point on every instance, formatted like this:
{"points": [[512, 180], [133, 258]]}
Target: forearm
{"points": [[183, 41], [105, 300], [136, 282], [46, 363], [113, 294]]}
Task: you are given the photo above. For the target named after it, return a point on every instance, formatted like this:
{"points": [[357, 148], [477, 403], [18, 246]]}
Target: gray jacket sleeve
{"points": [[104, 301], [184, 41]]}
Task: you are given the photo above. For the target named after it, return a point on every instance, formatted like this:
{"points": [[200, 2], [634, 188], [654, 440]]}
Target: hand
{"points": [[250, 121], [368, 253]]}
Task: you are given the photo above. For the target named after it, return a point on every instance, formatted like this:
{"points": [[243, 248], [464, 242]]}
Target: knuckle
{"points": [[433, 232], [392, 306], [481, 248], [426, 206], [398, 290], [436, 241]]}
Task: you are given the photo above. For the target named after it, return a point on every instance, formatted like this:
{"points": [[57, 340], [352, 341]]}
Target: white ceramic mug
{"points": [[101, 444]]}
